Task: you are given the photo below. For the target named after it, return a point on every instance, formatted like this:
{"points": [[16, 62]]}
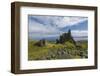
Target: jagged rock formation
{"points": [[62, 39], [66, 37], [41, 43]]}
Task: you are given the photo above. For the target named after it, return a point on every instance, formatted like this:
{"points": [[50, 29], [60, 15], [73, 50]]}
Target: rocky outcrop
{"points": [[66, 37], [41, 43]]}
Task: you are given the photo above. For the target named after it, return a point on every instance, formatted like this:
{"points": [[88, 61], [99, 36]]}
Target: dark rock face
{"points": [[65, 37], [41, 43]]}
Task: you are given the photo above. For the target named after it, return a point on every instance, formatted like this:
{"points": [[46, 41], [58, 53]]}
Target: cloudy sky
{"points": [[53, 26]]}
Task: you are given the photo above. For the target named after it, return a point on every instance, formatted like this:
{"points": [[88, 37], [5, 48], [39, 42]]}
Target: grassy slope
{"points": [[53, 51]]}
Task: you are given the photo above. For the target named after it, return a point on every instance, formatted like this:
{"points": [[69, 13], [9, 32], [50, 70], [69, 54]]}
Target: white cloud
{"points": [[59, 21], [79, 33], [35, 27], [70, 21], [48, 25]]}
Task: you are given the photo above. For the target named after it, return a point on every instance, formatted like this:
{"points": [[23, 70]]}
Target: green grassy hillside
{"points": [[57, 51]]}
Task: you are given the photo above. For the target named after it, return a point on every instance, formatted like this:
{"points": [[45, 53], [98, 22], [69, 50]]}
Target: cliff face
{"points": [[66, 37]]}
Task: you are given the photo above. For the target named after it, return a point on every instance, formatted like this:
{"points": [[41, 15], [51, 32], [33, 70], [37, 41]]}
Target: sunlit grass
{"points": [[56, 51]]}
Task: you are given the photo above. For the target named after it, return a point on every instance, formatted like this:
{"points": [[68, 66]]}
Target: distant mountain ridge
{"points": [[76, 38]]}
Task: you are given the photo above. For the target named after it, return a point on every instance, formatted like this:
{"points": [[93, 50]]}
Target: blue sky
{"points": [[51, 26]]}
